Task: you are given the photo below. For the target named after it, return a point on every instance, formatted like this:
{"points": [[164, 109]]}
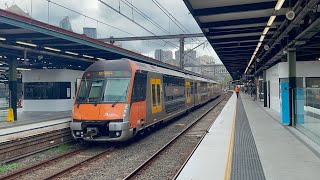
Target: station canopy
{"points": [[37, 45], [249, 32]]}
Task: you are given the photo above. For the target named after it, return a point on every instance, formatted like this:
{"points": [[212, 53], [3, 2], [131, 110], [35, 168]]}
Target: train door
{"points": [[199, 92], [188, 92], [156, 95]]}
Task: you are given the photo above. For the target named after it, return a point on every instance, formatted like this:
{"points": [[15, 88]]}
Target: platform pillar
{"points": [[291, 56], [181, 52], [12, 81], [265, 101]]}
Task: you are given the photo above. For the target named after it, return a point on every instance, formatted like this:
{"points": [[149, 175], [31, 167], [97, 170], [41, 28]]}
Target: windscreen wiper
{"points": [[120, 97]]}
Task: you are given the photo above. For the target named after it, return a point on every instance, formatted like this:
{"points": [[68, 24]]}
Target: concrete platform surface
{"points": [[25, 118], [284, 152]]}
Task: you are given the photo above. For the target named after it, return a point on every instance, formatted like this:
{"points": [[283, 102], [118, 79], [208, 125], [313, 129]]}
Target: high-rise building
{"points": [[190, 57], [206, 60], [172, 62], [65, 23], [162, 55], [90, 32], [17, 10]]}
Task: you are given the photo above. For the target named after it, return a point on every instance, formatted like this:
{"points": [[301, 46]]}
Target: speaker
{"points": [[290, 15]]}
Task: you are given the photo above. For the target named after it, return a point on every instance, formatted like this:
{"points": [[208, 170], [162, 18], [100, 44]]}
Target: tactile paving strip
{"points": [[246, 163]]}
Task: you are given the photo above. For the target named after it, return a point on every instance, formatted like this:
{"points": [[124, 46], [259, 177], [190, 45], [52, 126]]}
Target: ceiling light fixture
{"points": [[27, 44], [72, 53], [271, 19], [279, 5], [87, 56], [259, 44], [23, 69], [262, 38], [2, 39], [101, 59], [52, 49], [265, 31]]}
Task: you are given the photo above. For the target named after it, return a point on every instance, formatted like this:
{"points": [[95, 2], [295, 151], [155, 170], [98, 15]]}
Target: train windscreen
{"points": [[106, 90]]}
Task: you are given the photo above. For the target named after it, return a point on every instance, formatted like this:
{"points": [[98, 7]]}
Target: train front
{"points": [[101, 109]]}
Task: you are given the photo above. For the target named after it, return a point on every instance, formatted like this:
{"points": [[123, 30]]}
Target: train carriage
{"points": [[117, 99]]}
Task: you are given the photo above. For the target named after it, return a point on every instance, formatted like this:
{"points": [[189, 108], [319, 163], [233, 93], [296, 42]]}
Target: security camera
{"points": [[285, 51], [290, 15], [258, 59]]}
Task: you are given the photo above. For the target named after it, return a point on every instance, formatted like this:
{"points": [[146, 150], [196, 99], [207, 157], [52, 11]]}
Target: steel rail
{"points": [[80, 164], [195, 148], [153, 157], [33, 141], [39, 165]]}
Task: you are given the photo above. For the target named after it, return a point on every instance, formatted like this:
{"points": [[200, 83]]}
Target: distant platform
{"points": [[33, 123], [247, 141]]}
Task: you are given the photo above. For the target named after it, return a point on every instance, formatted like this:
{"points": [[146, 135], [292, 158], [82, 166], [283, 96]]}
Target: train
{"points": [[118, 99]]}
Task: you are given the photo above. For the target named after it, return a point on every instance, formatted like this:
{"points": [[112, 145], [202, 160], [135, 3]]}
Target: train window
{"points": [[153, 89], [95, 90], [116, 90], [158, 94], [139, 87], [191, 85]]}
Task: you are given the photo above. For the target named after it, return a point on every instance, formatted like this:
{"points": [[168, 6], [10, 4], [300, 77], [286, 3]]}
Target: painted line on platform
{"points": [[229, 158]]}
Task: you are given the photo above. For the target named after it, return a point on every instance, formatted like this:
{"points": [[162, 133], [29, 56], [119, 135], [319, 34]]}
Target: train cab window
{"points": [[116, 90], [95, 90], [139, 87]]}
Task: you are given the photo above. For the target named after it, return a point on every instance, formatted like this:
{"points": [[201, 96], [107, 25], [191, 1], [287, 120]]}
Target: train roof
{"points": [[124, 64]]}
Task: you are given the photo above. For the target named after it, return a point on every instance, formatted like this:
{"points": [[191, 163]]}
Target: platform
{"points": [[31, 117], [247, 141], [33, 123]]}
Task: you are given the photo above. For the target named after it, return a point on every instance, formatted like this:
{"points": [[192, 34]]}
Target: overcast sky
{"points": [[38, 9]]}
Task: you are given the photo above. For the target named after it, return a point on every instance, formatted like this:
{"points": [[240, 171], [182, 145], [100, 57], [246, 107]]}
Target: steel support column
{"points": [[181, 52], [265, 101], [13, 85], [291, 56]]}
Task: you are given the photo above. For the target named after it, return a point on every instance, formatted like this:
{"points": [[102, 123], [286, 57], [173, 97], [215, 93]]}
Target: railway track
{"points": [[42, 166], [53, 170], [139, 169], [16, 149]]}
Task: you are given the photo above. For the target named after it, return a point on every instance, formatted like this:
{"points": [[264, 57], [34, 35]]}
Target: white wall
{"points": [[281, 70], [273, 77], [51, 75], [304, 69]]}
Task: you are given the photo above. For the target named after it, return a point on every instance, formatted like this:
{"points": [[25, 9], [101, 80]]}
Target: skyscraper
{"points": [[162, 55], [90, 32], [65, 24]]}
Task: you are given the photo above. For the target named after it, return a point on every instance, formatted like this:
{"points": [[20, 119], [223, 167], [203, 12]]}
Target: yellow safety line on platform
{"points": [[229, 159]]}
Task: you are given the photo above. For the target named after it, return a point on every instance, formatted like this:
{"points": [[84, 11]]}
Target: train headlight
{"points": [[118, 134], [126, 112]]}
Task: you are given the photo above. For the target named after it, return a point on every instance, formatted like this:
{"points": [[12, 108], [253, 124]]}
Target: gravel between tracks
{"points": [[129, 156], [166, 165], [39, 157]]}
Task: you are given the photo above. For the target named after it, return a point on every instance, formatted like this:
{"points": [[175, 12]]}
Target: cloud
{"points": [[92, 8]]}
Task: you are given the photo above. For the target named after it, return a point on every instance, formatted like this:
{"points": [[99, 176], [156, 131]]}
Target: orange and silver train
{"points": [[117, 99]]}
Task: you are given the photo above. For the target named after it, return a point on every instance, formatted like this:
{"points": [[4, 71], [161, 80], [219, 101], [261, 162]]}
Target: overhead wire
{"points": [[175, 21], [149, 31], [94, 19]]}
